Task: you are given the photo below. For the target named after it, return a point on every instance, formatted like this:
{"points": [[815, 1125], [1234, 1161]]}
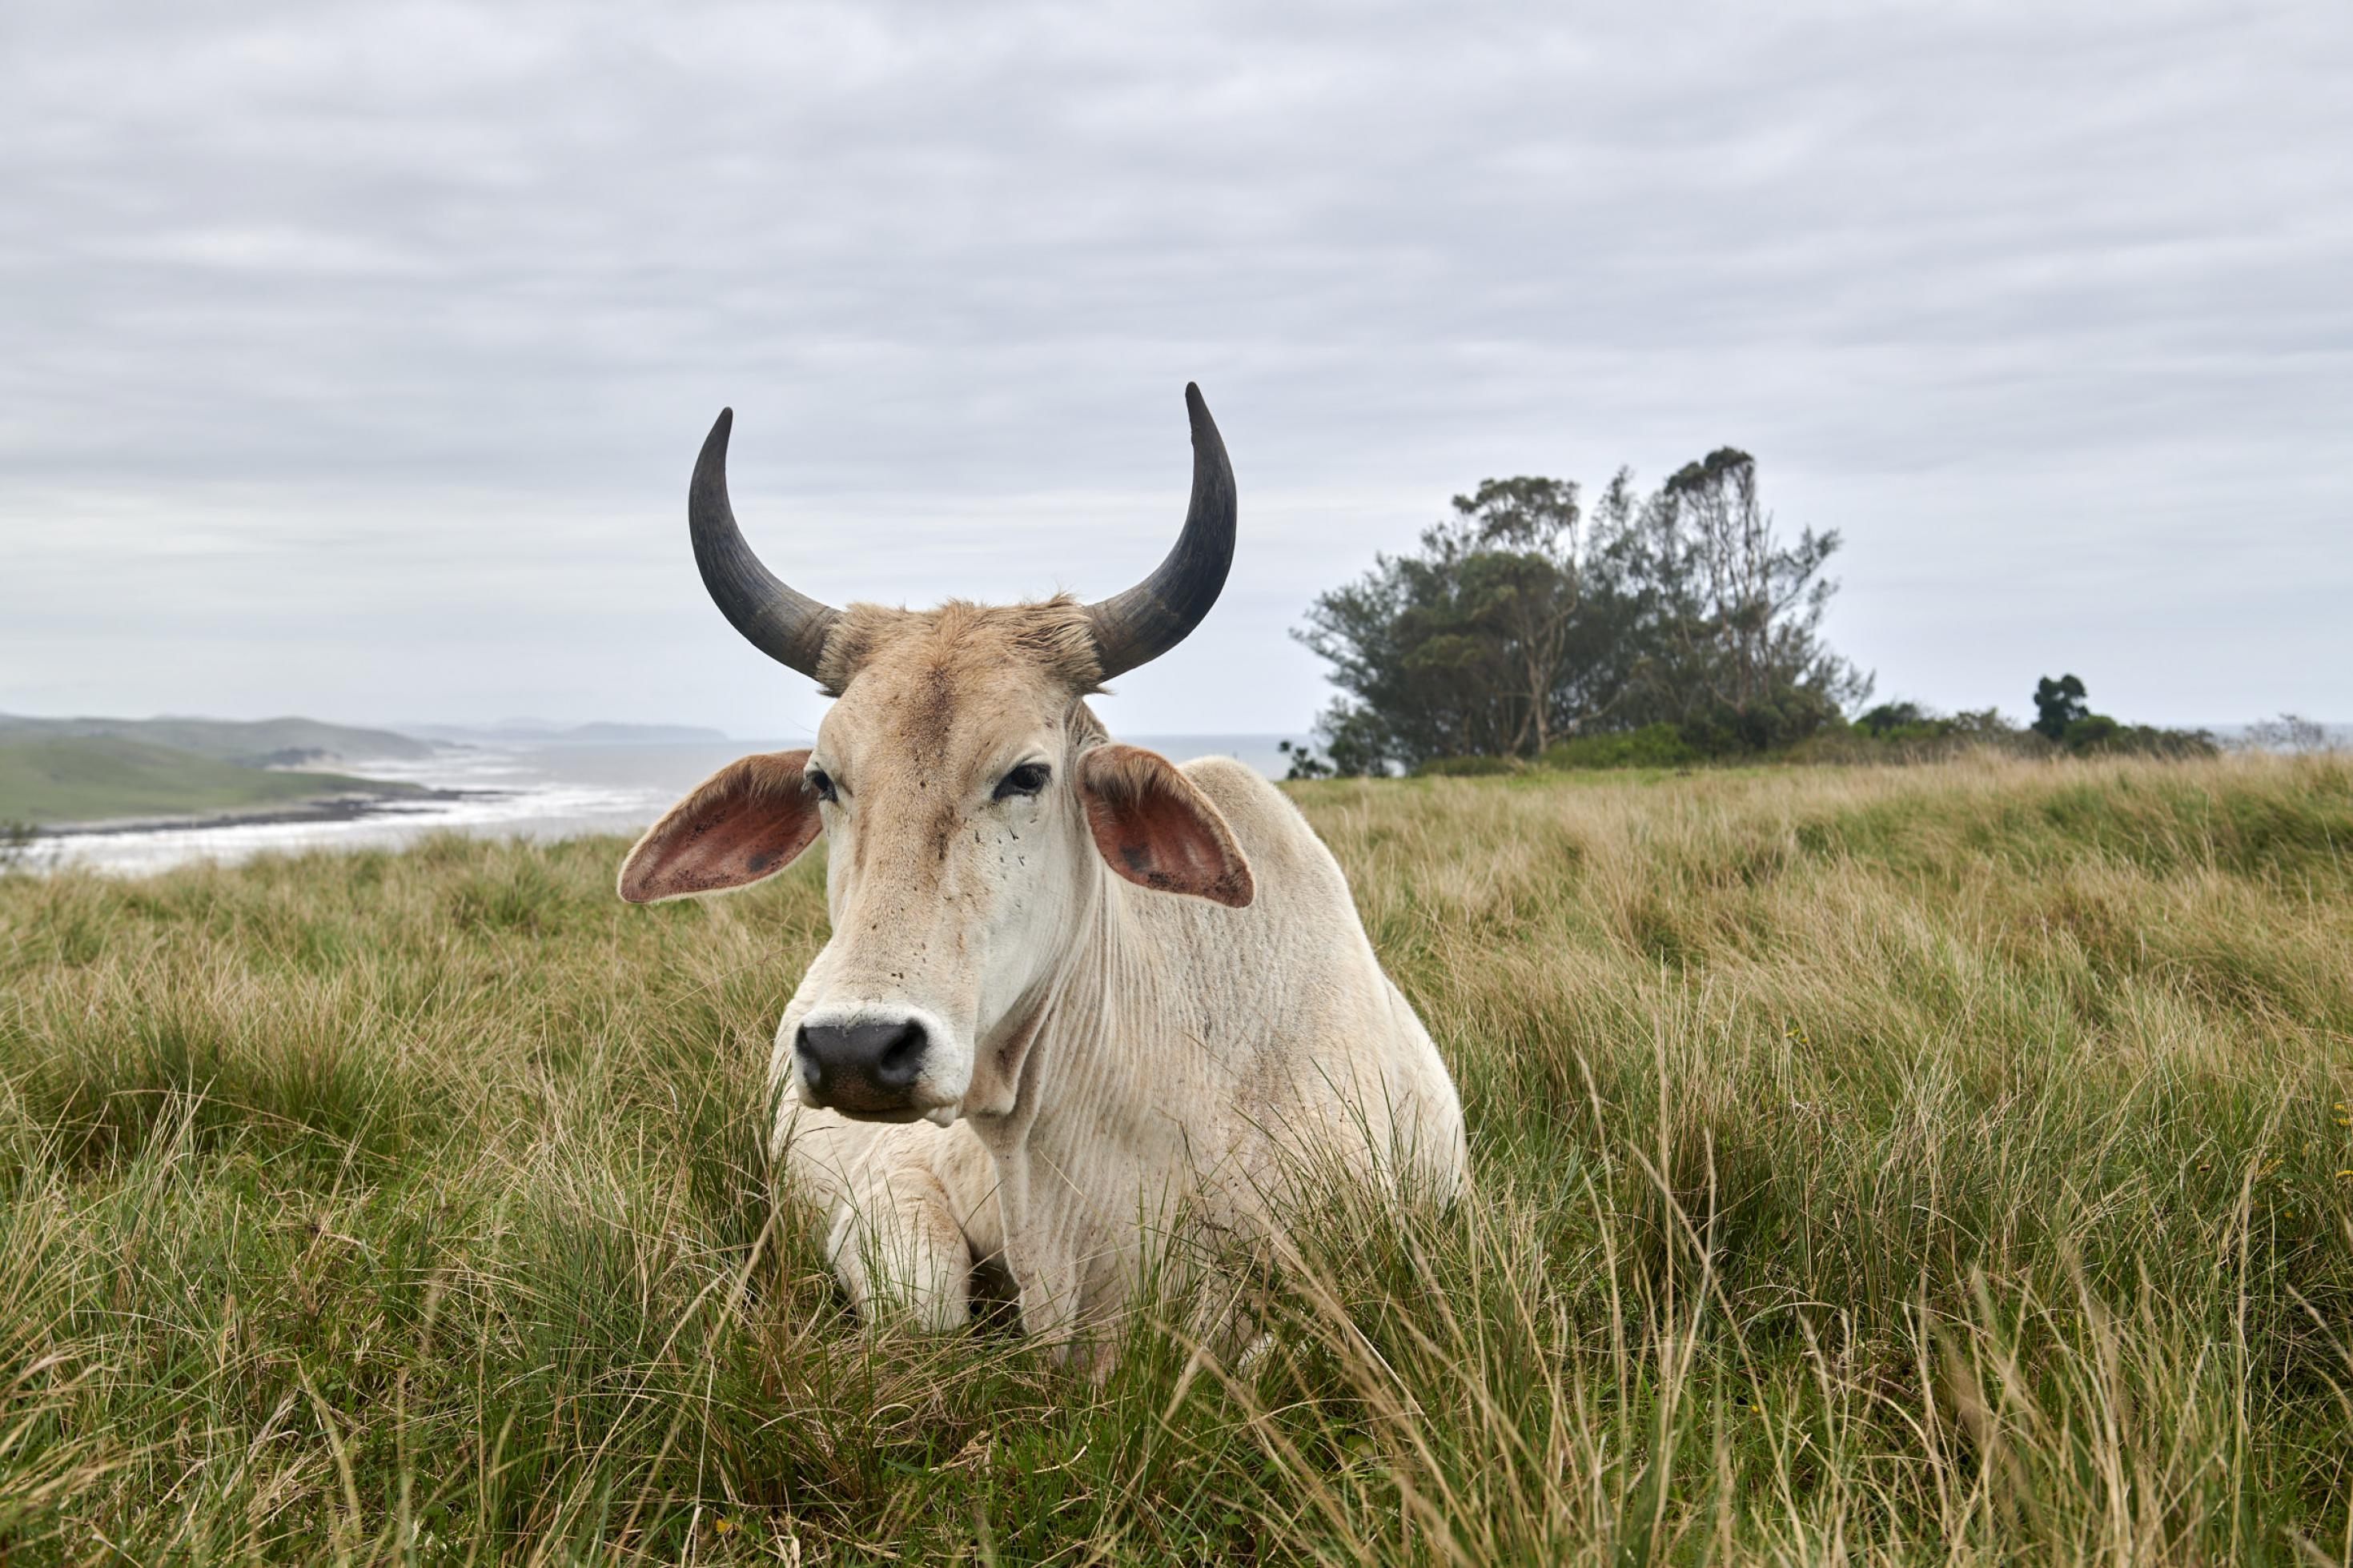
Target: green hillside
{"points": [[86, 778], [251, 741]]}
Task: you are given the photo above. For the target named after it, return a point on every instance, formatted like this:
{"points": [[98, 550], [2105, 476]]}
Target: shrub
{"points": [[2289, 733], [2096, 734], [1890, 717], [1467, 767], [1652, 746], [1902, 732], [1767, 724]]}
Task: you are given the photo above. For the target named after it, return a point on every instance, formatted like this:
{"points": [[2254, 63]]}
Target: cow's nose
{"points": [[864, 1068]]}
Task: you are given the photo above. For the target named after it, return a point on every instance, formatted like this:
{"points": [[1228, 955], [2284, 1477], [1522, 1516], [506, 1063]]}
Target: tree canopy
{"points": [[1528, 617], [2057, 704]]}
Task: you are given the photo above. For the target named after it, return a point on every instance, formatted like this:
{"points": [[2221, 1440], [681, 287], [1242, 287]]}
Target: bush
{"points": [[2091, 732], [2290, 732], [1652, 746], [2096, 734], [1901, 733], [1467, 767], [1768, 724]]}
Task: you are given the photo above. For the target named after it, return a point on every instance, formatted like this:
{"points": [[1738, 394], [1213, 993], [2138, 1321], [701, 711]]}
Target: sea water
{"points": [[519, 791]]}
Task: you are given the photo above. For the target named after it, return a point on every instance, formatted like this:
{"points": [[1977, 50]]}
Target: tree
{"points": [[1737, 612], [2057, 704], [1522, 619], [1473, 645], [1520, 583], [2288, 733], [2063, 716]]}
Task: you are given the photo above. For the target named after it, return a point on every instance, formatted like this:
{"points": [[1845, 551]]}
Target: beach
{"points": [[510, 791]]}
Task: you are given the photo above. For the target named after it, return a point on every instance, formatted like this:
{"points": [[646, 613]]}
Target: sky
{"points": [[352, 358]]}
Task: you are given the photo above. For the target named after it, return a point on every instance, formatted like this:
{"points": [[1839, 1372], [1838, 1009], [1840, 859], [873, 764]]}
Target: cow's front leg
{"points": [[1065, 1310], [1048, 1279], [898, 1251], [908, 1208]]}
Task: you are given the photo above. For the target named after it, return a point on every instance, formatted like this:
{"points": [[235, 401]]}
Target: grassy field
{"points": [[253, 742], [1913, 1165], [92, 778]]}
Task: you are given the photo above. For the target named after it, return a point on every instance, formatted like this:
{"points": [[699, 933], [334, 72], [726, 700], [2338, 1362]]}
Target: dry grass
{"points": [[1924, 1165]]}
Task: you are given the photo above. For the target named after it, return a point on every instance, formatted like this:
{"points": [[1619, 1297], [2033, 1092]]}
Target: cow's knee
{"points": [[905, 1260]]}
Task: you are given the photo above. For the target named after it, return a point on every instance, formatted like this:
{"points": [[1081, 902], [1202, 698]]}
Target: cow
{"points": [[1077, 1000]]}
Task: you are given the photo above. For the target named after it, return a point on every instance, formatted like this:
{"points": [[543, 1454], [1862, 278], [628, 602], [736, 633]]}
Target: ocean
{"points": [[519, 791]]}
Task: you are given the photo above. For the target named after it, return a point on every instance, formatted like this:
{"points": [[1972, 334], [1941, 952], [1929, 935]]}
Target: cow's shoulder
{"points": [[1297, 877], [1260, 815], [1229, 778]]}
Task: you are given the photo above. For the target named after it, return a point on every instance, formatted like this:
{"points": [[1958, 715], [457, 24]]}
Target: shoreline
{"points": [[344, 807]]}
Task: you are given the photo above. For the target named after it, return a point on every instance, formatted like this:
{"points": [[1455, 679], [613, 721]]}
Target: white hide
{"points": [[1175, 1055]]}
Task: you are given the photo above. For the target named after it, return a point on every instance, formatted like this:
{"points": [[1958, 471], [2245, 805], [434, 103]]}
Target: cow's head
{"points": [[971, 800]]}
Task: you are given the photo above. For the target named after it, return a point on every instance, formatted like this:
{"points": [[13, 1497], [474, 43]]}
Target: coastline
{"points": [[346, 807], [527, 792]]}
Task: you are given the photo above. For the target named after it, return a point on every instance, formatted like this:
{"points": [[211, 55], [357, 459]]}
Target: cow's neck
{"points": [[1085, 1072]]}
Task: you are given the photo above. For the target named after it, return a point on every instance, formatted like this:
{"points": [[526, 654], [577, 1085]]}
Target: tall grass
{"points": [[1943, 1165]]}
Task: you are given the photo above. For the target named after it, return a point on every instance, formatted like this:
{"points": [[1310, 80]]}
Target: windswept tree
{"points": [[1523, 618], [2059, 703], [1481, 642], [1735, 609], [1521, 585]]}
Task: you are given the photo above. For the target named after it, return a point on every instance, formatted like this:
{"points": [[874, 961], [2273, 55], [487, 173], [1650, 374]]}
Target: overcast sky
{"points": [[352, 358]]}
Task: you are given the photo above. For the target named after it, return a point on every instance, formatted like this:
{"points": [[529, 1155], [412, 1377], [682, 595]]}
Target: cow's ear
{"points": [[746, 822], [1156, 830]]}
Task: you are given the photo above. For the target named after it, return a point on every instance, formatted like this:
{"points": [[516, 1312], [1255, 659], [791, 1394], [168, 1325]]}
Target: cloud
{"points": [[414, 316]]}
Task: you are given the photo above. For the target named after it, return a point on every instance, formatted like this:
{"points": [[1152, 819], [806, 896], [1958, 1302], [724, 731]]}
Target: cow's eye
{"points": [[821, 782], [1027, 779]]}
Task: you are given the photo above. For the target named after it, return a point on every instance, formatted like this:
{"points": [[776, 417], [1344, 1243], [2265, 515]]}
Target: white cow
{"points": [[1072, 990]]}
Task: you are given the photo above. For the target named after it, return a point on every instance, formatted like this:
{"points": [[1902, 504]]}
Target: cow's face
{"points": [[971, 799], [970, 805]]}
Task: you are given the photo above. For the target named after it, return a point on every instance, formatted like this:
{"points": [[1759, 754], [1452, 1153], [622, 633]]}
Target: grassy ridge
{"points": [[252, 742], [1939, 1164], [94, 778]]}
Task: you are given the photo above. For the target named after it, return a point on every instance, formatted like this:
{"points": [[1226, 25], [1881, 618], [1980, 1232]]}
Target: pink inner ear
{"points": [[750, 820], [1154, 829]]}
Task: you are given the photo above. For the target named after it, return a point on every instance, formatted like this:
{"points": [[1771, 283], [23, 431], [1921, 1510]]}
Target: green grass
{"points": [[89, 778], [252, 742], [1924, 1165]]}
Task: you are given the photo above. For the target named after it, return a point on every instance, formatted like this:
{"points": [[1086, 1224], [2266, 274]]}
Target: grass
{"points": [[1942, 1165], [88, 778], [253, 742]]}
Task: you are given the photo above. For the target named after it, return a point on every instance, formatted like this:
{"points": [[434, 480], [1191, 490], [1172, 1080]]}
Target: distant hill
{"points": [[258, 743], [539, 732], [47, 779]]}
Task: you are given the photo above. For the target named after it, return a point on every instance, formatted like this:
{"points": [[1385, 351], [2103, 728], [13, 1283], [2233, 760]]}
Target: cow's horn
{"points": [[788, 627], [1154, 616]]}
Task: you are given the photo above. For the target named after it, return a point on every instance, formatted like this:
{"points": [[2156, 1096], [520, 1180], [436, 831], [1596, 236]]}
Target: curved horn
{"points": [[1154, 616], [789, 628]]}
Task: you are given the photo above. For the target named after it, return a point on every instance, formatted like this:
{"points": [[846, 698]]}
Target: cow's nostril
{"points": [[811, 1065], [902, 1058]]}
